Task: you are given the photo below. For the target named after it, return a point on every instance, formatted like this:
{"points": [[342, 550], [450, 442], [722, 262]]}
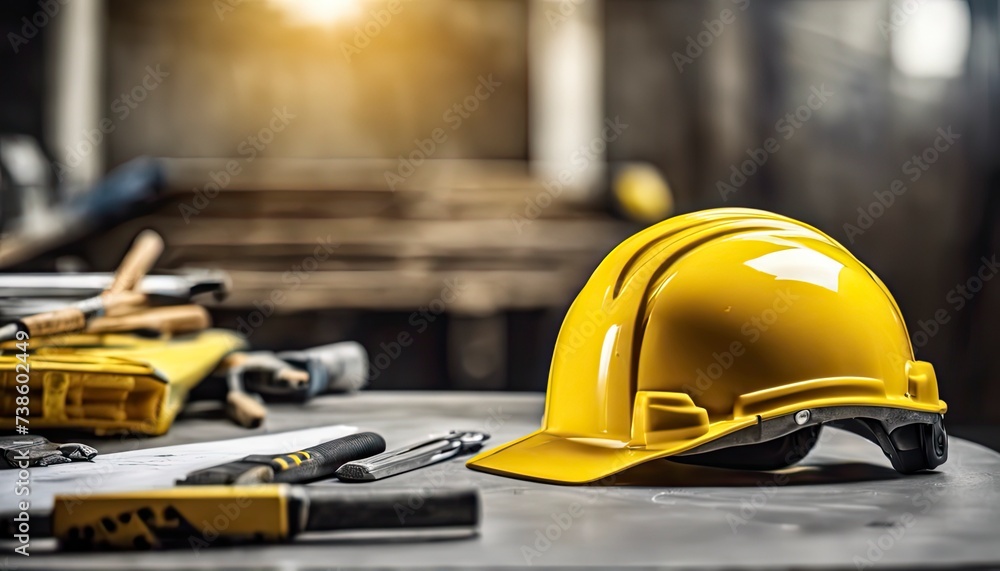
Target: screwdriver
{"points": [[137, 262], [204, 516]]}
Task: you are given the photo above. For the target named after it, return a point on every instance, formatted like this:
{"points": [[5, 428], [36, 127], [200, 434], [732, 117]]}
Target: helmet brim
{"points": [[549, 458]]}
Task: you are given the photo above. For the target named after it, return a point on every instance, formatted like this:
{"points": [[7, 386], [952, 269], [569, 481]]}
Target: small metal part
{"points": [[9, 331], [245, 407], [22, 295], [75, 451], [36, 451], [337, 367], [802, 417], [435, 449]]}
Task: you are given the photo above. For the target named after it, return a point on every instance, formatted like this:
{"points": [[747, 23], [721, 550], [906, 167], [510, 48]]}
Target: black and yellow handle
{"points": [[299, 467], [322, 460], [169, 518], [207, 516]]}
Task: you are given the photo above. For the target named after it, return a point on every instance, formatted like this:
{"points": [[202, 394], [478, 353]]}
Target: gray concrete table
{"points": [[841, 507]]}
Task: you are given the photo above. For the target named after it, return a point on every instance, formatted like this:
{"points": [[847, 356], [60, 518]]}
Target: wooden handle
{"points": [[123, 303], [52, 322], [294, 377], [230, 361], [244, 410], [175, 319], [117, 298], [138, 260]]}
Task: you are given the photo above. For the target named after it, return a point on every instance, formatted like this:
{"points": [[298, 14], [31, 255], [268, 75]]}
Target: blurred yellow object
{"points": [[642, 193], [108, 383], [721, 330]]}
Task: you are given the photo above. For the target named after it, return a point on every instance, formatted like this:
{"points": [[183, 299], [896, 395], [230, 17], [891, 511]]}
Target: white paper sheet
{"points": [[150, 467]]}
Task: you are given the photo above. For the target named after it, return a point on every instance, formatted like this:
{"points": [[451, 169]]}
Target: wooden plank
{"points": [[460, 291], [183, 174], [406, 236]]}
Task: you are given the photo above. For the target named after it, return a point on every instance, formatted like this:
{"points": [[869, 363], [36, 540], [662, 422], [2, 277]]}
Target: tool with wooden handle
{"points": [[244, 407], [171, 319], [72, 318], [128, 302], [138, 260], [207, 516], [298, 467]]}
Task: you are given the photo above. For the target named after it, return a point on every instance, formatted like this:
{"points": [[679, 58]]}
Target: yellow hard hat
{"points": [[727, 338]]}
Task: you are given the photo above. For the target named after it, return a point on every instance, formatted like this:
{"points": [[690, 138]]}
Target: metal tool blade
{"points": [[425, 453]]}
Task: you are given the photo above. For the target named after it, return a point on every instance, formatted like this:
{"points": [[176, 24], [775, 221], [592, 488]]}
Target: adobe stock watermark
{"points": [[895, 531], [21, 520], [563, 12], [453, 117], [293, 280], [914, 168], [785, 128], [366, 33], [210, 530], [419, 321], [248, 150], [559, 522], [580, 159], [956, 298], [30, 27], [94, 479], [751, 505], [698, 43], [122, 107], [572, 340], [437, 478], [223, 7], [899, 15], [753, 329]]}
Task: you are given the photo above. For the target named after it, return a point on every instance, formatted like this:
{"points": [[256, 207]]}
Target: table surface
{"points": [[843, 506]]}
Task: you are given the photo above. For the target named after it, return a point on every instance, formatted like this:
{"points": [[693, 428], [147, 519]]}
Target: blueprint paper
{"points": [[150, 467]]}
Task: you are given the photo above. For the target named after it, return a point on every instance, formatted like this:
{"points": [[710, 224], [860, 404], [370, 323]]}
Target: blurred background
{"points": [[437, 179]]}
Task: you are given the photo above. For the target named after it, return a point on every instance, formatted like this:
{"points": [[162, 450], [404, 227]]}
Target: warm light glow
{"points": [[930, 38], [319, 12]]}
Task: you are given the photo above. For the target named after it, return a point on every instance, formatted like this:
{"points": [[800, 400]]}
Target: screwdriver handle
{"points": [[323, 459], [175, 319], [137, 262], [74, 317], [52, 322]]}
